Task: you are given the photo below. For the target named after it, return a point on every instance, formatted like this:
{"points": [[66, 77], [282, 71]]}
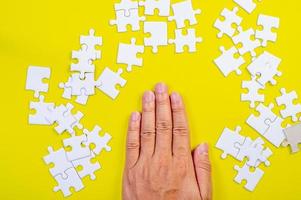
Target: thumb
{"points": [[202, 168]]}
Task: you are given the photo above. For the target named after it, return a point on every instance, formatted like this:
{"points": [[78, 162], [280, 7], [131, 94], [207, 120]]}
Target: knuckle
{"points": [[181, 151], [180, 130], [204, 165], [148, 133], [148, 108], [163, 126], [132, 145]]}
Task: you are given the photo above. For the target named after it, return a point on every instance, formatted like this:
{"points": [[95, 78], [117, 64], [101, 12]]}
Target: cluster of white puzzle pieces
{"points": [[82, 83], [127, 13], [66, 163], [240, 147], [263, 69]]}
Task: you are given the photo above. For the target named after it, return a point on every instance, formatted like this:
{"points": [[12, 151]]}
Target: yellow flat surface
{"points": [[45, 32]]}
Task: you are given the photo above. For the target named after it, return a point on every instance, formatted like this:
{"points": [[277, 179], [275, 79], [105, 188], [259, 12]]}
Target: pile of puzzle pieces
{"points": [[262, 69], [66, 163]]}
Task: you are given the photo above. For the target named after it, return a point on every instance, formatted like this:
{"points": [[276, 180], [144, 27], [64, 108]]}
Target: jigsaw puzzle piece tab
{"points": [[35, 77], [247, 5], [126, 6]]}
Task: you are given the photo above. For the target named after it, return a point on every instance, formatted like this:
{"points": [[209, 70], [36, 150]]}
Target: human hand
{"points": [[159, 163]]}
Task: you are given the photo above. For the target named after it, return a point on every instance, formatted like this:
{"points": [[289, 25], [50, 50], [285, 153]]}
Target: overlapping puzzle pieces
{"points": [[241, 147], [66, 162]]}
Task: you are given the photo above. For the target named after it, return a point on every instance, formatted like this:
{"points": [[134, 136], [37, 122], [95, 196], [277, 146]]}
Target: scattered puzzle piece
{"points": [[60, 161], [189, 40], [247, 5], [291, 109], [225, 26], [252, 178], [126, 6], [158, 31], [183, 11], [35, 77], [42, 109], [88, 168], [150, 5], [108, 81], [266, 66], [227, 62], [253, 96], [122, 20], [266, 34], [248, 45], [100, 142], [127, 54], [72, 180], [78, 150], [227, 142]]}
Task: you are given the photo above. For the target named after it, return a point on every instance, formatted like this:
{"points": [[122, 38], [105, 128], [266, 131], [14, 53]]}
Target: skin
{"points": [[159, 162]]}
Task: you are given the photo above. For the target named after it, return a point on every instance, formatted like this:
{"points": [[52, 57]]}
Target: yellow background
{"points": [[45, 32]]}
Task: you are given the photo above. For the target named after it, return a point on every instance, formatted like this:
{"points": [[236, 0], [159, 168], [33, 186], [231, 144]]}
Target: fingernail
{"points": [[203, 149], [161, 88], [175, 98], [135, 116], [148, 97]]}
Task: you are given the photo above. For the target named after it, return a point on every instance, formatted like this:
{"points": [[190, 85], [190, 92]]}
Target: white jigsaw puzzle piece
{"points": [[227, 142], [127, 54], [183, 11], [291, 109], [254, 151], [275, 133], [60, 161], [266, 34], [126, 6], [72, 180], [262, 122], [42, 109], [248, 45], [108, 81], [227, 62], [252, 96], [88, 168], [247, 5], [252, 178], [78, 150], [122, 20], [151, 5], [158, 31], [182, 40], [266, 66], [35, 77], [225, 26], [100, 142]]}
